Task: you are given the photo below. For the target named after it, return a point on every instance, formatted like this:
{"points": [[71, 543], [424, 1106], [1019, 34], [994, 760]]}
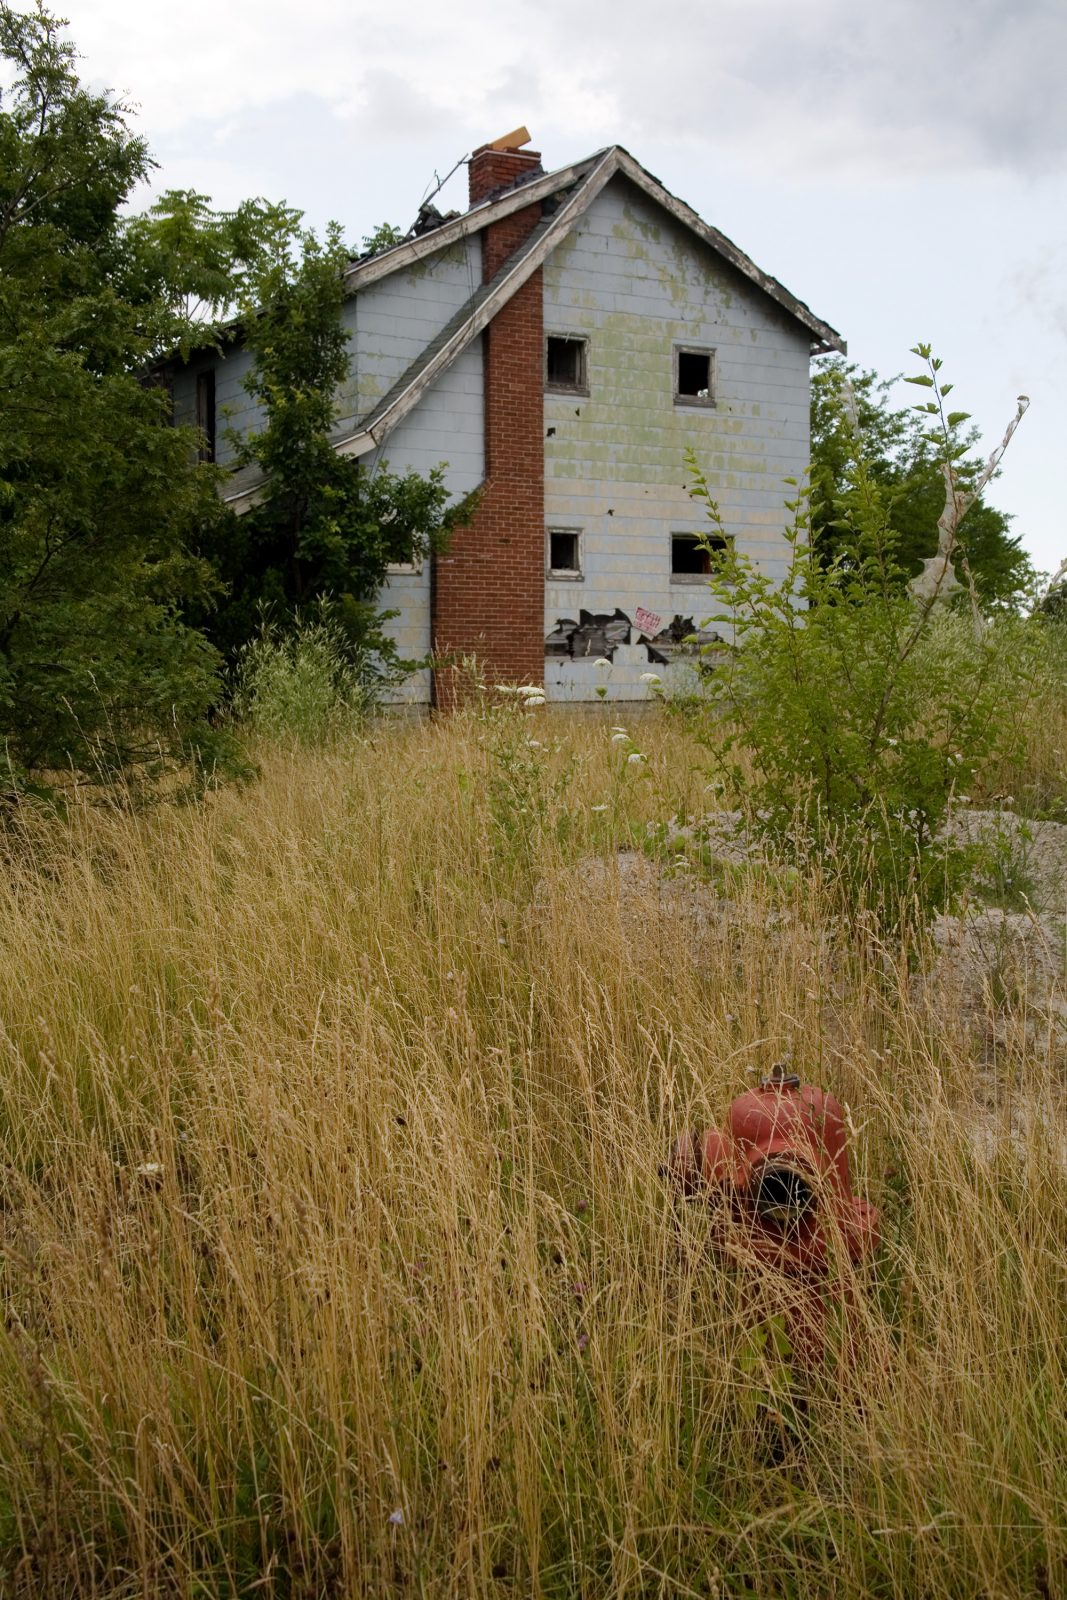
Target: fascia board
{"points": [[363, 273], [824, 338]]}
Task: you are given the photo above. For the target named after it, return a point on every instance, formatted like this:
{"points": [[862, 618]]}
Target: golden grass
{"points": [[334, 1254]]}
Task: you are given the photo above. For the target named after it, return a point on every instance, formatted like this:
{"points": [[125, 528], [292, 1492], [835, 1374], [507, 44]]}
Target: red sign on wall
{"points": [[648, 622]]}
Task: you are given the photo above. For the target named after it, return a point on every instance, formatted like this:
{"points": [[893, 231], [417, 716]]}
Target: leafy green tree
{"points": [[102, 504], [383, 237], [193, 265], [325, 529], [98, 496], [902, 484]]}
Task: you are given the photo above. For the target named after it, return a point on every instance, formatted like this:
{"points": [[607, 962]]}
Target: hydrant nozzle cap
{"points": [[779, 1078]]}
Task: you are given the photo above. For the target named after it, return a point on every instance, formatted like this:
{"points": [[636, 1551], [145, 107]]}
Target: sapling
{"points": [[857, 725]]}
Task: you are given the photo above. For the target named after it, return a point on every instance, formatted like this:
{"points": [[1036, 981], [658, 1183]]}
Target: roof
{"points": [[574, 187]]}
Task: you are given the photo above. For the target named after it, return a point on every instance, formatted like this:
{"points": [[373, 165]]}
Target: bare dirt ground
{"points": [[991, 977]]}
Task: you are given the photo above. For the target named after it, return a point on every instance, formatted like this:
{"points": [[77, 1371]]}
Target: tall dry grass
{"points": [[334, 1253]]}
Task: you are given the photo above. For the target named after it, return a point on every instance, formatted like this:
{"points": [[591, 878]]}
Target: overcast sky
{"points": [[902, 167]]}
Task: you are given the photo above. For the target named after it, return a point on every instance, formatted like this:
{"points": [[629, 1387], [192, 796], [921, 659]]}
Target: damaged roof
{"points": [[585, 179], [574, 188]]}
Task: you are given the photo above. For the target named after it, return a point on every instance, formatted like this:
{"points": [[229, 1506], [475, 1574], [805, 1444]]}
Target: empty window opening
{"points": [[694, 556], [564, 553], [205, 414], [692, 377], [565, 364]]}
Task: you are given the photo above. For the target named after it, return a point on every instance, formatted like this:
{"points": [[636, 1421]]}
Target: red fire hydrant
{"points": [[779, 1174]]}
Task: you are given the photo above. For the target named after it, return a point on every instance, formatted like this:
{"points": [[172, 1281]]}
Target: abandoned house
{"points": [[560, 344]]}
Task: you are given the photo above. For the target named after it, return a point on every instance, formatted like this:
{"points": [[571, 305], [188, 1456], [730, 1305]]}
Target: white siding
{"points": [[234, 408], [445, 428], [391, 324], [392, 321], [636, 284]]}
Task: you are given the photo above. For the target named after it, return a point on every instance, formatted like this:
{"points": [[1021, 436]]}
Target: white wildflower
{"points": [[651, 677], [602, 661], [619, 736], [635, 757], [598, 808], [533, 700]]}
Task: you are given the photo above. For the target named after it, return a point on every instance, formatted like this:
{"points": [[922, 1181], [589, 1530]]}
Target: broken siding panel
{"points": [[408, 594], [636, 284]]}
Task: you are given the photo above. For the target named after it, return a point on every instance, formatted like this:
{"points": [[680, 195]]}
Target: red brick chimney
{"points": [[488, 596], [501, 165]]}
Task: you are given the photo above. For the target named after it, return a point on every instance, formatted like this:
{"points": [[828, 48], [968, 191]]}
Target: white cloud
{"points": [[909, 86], [902, 165]]}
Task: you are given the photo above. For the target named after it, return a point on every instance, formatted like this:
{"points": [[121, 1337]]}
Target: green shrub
{"points": [[863, 710], [301, 686]]}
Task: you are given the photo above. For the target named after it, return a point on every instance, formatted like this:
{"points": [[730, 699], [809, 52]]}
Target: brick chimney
{"points": [[501, 165], [488, 596]]}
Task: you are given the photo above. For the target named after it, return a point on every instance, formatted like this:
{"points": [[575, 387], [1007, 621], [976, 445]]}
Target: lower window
{"points": [[564, 553]]}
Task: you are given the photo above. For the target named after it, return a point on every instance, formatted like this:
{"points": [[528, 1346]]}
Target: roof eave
{"points": [[824, 338], [588, 177]]}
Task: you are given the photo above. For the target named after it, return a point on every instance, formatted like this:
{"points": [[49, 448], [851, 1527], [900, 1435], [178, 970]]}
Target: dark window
{"points": [[693, 377], [565, 364], [205, 413], [694, 556], [564, 552]]}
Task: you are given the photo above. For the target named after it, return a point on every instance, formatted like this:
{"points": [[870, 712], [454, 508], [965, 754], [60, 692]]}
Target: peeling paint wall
{"points": [[635, 284]]}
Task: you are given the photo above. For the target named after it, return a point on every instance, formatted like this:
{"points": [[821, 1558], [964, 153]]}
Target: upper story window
{"points": [[694, 556], [565, 364], [205, 413], [694, 376]]}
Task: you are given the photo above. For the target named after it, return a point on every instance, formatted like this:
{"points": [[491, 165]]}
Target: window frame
{"points": [[702, 404], [695, 538], [565, 574], [582, 386]]}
